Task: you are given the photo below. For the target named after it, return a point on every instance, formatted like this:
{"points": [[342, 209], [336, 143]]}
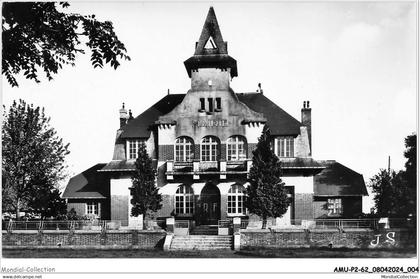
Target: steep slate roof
{"points": [[211, 29], [338, 180], [88, 184], [304, 163], [139, 126], [280, 122], [122, 165], [216, 57]]}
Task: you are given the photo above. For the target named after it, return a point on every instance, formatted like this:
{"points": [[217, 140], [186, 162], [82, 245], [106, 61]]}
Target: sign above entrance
{"points": [[211, 123]]}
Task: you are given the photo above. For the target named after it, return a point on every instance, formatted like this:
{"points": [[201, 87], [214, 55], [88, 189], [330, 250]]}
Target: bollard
{"points": [[236, 224], [170, 225]]}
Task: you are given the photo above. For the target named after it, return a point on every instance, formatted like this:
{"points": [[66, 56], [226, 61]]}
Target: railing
{"points": [[182, 224], [183, 166], [155, 224], [372, 223], [236, 166], [224, 223], [182, 227], [204, 166], [95, 225], [346, 223]]}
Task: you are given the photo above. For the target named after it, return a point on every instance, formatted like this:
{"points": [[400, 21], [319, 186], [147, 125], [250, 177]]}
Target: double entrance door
{"points": [[209, 205]]}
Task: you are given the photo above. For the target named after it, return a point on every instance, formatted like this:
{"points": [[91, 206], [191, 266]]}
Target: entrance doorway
{"points": [[209, 205]]}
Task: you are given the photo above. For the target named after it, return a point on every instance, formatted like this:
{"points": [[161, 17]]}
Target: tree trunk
{"points": [[264, 223], [18, 209]]}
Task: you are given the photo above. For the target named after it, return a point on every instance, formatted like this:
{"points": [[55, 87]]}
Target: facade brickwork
{"points": [[303, 206], [251, 147], [350, 238], [83, 238], [166, 152]]}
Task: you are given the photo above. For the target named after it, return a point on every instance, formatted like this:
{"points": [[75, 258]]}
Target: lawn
{"points": [[248, 253]]}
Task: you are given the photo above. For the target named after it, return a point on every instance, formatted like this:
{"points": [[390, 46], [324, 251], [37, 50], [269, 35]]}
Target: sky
{"points": [[354, 61]]}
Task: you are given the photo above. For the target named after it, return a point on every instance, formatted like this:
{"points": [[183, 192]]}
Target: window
{"points": [[133, 148], [210, 100], [184, 200], [184, 149], [236, 200], [218, 104], [202, 104], [92, 208], [284, 146], [209, 150], [334, 207], [236, 148]]}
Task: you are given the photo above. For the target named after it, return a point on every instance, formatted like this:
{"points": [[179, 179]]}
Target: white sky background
{"points": [[355, 63]]}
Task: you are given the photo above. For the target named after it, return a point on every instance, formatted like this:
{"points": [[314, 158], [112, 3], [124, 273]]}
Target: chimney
{"points": [[123, 116], [130, 116], [307, 121], [259, 90]]}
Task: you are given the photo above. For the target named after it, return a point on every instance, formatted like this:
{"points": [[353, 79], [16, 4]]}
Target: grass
{"points": [[247, 253]]}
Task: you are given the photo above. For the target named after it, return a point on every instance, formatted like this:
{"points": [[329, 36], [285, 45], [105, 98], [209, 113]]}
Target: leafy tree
{"points": [[267, 195], [389, 191], [47, 201], [145, 196], [410, 172], [32, 160], [38, 35], [395, 192]]}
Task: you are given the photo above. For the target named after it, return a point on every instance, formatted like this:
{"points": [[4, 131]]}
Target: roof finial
{"points": [[123, 105], [259, 88]]}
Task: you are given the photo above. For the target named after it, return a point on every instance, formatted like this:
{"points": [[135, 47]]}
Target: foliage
{"points": [[395, 192], [37, 35], [389, 193], [145, 196], [32, 160], [410, 172], [47, 201], [267, 195], [71, 215]]}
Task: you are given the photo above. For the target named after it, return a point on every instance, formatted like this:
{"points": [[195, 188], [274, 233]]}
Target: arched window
{"points": [[236, 148], [209, 148], [236, 200], [184, 200], [184, 149]]}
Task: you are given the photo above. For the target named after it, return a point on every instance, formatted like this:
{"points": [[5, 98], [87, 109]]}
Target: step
{"points": [[201, 242], [226, 245], [202, 248], [208, 237]]}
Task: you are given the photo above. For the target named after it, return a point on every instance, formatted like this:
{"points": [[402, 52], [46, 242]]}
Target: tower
{"points": [[211, 68]]}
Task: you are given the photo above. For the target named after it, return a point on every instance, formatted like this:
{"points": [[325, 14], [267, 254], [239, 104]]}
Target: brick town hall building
{"points": [[201, 143]]}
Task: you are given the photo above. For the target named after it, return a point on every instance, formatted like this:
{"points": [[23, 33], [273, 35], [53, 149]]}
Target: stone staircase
{"points": [[201, 242], [205, 230]]}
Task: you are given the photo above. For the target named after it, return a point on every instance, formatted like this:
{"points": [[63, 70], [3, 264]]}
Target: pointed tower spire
{"points": [[211, 35], [211, 50]]}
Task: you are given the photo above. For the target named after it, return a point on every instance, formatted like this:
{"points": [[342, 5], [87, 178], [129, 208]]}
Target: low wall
{"points": [[349, 238], [140, 239]]}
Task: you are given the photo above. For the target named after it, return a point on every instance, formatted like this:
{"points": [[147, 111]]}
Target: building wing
{"points": [[338, 180], [88, 184]]}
